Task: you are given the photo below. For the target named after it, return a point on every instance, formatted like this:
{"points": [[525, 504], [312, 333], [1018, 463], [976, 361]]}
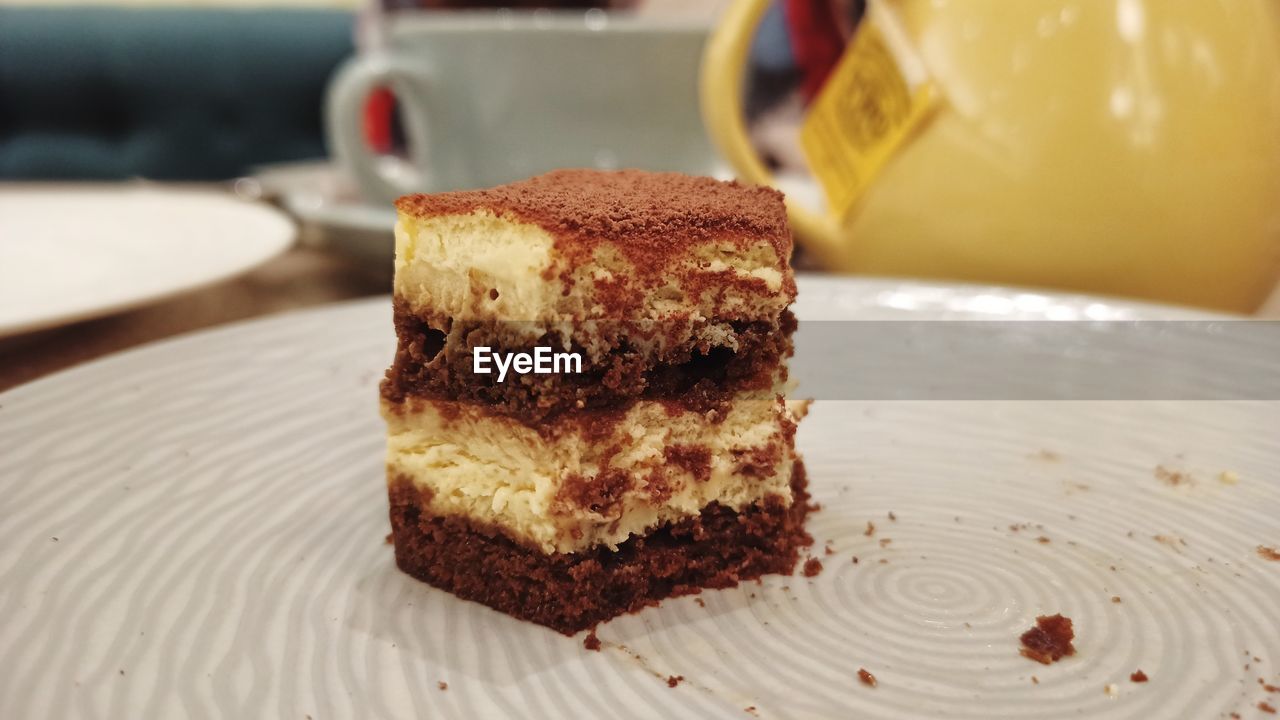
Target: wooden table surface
{"points": [[302, 277]]}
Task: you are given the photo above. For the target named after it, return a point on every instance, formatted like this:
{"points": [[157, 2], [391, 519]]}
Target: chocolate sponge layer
{"points": [[436, 363], [569, 592]]}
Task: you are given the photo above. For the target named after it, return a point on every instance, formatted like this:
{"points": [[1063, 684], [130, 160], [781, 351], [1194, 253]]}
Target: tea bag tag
{"points": [[878, 92]]}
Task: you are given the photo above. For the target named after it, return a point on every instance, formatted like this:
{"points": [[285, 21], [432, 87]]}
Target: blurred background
{"points": [[1124, 148]]}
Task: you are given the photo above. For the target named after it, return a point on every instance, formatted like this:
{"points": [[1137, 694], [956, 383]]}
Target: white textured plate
{"points": [[75, 252], [195, 529]]}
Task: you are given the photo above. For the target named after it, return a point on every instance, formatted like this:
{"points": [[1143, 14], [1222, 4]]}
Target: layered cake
{"points": [[586, 408]]}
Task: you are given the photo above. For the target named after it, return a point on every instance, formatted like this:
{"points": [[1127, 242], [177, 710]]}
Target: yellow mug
{"points": [[1121, 147]]}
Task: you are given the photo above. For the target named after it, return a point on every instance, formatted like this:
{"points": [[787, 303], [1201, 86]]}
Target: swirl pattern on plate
{"points": [[196, 529]]}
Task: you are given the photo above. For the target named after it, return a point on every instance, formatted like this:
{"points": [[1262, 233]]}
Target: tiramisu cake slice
{"points": [[585, 411]]}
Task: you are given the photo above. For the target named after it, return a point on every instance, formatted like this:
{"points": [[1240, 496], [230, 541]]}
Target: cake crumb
{"points": [[121, 671], [1035, 680], [388, 540], [1049, 641], [1042, 540], [1227, 477], [871, 529], [855, 559], [892, 517], [750, 709], [701, 602], [867, 678], [883, 561], [1115, 599], [812, 567], [1047, 455], [1138, 676], [1111, 690], [591, 641], [1266, 708], [884, 542], [442, 685], [1270, 688], [828, 550], [1268, 553], [1173, 478], [674, 680]]}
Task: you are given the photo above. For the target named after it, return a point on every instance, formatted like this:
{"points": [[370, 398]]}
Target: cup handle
{"points": [[384, 176], [720, 89]]}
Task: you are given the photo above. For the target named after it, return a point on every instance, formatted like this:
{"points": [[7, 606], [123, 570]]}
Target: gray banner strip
{"points": [[1040, 360]]}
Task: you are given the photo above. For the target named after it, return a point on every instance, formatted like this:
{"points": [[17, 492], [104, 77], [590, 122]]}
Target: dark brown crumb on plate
{"points": [[1138, 677], [893, 517], [871, 529], [1268, 553], [855, 559], [701, 602], [750, 709], [388, 539], [812, 567], [591, 641], [1035, 680], [1115, 598], [443, 685], [867, 678], [1049, 641], [674, 680], [1264, 707]]}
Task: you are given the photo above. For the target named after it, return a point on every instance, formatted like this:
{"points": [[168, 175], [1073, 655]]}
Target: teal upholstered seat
{"points": [[113, 92]]}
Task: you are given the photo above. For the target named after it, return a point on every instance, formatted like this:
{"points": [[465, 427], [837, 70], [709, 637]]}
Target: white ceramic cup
{"points": [[488, 98]]}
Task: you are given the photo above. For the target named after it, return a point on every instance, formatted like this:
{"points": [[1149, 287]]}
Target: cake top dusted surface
{"points": [[640, 211]]}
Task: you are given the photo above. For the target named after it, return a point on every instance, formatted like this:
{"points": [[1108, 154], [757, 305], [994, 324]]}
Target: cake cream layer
{"points": [[571, 246], [590, 479]]}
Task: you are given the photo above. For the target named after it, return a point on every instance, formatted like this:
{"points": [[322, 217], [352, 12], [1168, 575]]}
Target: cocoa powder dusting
{"points": [[649, 217], [694, 459]]}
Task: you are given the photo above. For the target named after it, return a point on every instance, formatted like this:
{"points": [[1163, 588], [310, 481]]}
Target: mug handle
{"points": [[382, 176], [720, 88]]}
